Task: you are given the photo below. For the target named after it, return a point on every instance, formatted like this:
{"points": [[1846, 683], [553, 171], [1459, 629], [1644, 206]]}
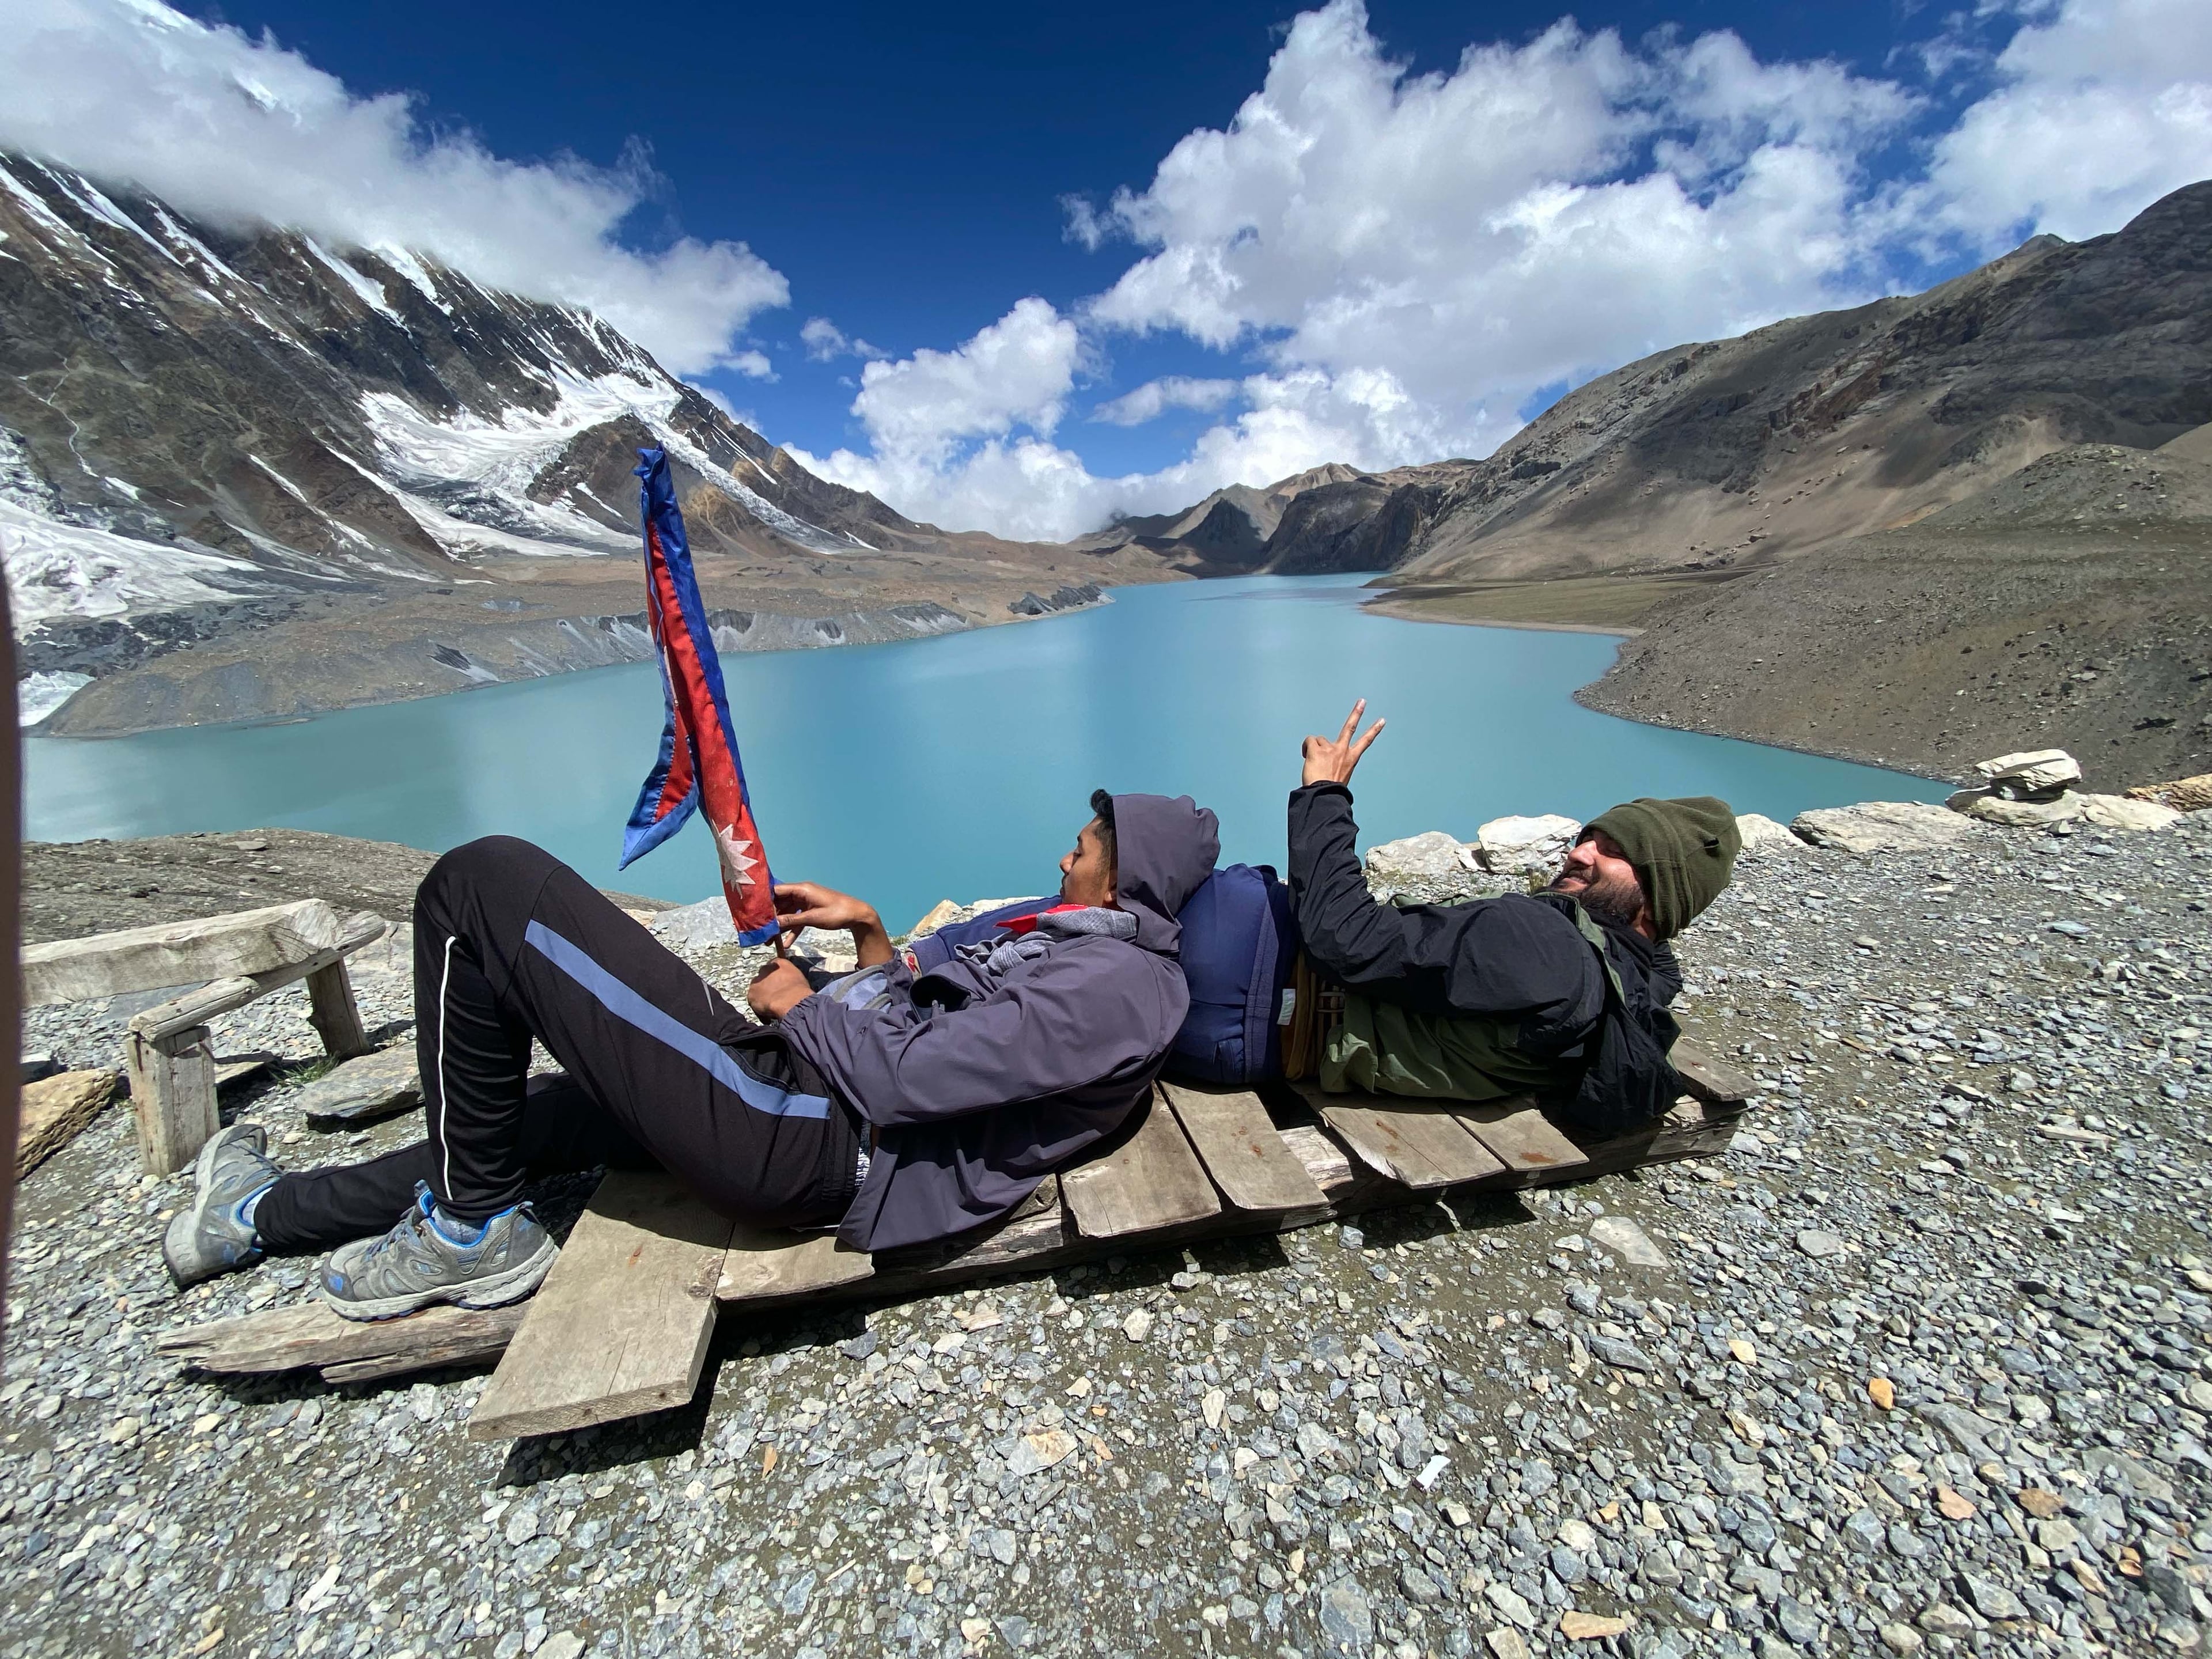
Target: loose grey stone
{"points": [[1619, 1234], [373, 1087], [1623, 1356], [1346, 1622], [1991, 1599], [1510, 1602], [1818, 1244]]}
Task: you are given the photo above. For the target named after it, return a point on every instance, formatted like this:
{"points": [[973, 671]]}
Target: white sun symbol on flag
{"points": [[737, 856]]}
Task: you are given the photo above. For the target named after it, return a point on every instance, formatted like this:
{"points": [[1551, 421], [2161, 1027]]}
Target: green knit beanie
{"points": [[1683, 851]]}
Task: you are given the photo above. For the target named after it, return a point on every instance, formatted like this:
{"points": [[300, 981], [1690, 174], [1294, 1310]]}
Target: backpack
{"points": [[1239, 941]]}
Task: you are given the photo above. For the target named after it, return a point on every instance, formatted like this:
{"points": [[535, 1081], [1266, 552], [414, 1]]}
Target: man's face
{"points": [[1604, 881], [1086, 875]]}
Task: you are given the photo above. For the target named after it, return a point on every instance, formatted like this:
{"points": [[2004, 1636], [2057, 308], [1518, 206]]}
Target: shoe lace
{"points": [[408, 1226]]}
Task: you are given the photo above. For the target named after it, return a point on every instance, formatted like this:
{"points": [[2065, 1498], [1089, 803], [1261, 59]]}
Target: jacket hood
{"points": [[1164, 851]]}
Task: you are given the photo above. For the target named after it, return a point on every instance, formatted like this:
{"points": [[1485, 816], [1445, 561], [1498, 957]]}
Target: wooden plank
{"points": [[359, 931], [1424, 1147], [1708, 1078], [333, 1013], [56, 1110], [172, 1095], [1520, 1136], [177, 952], [309, 1335], [274, 1340], [767, 1264], [620, 1324], [1152, 1180], [1243, 1150]]}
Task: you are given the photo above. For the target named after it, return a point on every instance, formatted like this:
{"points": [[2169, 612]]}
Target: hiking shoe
{"points": [[208, 1237], [424, 1260]]}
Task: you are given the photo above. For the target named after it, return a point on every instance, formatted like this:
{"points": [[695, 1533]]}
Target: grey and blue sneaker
{"points": [[214, 1234], [430, 1258]]}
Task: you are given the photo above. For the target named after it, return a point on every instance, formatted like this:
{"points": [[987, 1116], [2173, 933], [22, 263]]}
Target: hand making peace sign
{"points": [[1330, 760]]}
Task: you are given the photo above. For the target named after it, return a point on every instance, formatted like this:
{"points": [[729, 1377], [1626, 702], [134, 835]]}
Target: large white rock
{"points": [[1519, 846], [1431, 855], [1760, 834], [1883, 826], [2119, 812], [706, 922], [2030, 772], [2017, 814]]}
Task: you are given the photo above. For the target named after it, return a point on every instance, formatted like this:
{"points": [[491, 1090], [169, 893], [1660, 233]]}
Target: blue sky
{"points": [[1376, 235], [904, 165]]}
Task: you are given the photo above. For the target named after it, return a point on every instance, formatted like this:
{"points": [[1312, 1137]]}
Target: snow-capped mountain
{"points": [[207, 429]]}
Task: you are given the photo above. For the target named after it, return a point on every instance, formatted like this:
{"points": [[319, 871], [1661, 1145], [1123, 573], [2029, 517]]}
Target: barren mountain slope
{"points": [[1849, 421], [2068, 605], [1710, 457], [1232, 532], [243, 475]]}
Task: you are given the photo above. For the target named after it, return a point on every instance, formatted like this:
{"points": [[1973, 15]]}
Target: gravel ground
{"points": [[1923, 1367]]}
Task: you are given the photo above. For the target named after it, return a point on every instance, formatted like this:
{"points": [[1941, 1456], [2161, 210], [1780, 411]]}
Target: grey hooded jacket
{"points": [[979, 1084]]}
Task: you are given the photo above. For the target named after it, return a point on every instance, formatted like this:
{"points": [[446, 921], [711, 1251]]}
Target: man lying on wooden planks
{"points": [[1562, 994], [898, 1107]]}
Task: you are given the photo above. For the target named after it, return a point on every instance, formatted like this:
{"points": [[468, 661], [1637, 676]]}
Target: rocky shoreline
{"points": [[1921, 1364], [289, 662]]}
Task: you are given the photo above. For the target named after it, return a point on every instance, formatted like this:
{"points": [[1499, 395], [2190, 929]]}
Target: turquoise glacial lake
{"points": [[961, 766]]}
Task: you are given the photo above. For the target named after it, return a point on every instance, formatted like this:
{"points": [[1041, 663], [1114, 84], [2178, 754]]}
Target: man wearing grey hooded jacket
{"points": [[897, 1106]]}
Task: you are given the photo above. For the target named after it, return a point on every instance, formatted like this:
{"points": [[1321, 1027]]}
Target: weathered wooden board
{"points": [[1709, 1079], [177, 952], [620, 1324], [1152, 1180], [173, 1096], [333, 1013], [1521, 1138], [770, 1264], [357, 932], [1032, 1242], [56, 1110], [1422, 1147], [309, 1335], [1242, 1149]]}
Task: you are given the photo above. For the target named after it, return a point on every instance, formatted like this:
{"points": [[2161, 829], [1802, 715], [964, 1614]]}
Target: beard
{"points": [[1612, 901]]}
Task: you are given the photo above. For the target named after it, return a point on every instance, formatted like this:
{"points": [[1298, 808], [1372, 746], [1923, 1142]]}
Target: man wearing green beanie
{"points": [[1562, 993]]}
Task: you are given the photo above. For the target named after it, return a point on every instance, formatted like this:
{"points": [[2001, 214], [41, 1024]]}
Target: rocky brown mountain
{"points": [[1236, 530], [243, 474], [1905, 531], [1732, 451], [2068, 605]]}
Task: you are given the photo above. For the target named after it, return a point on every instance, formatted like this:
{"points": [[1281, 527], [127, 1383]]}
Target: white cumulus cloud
{"points": [[240, 130], [825, 342], [2101, 107], [1155, 398], [1409, 259]]}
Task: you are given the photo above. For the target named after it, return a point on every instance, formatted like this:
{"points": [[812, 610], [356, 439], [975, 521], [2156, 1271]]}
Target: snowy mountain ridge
{"points": [[203, 426]]}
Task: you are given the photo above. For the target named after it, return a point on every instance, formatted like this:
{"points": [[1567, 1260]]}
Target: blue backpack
{"points": [[1239, 941]]}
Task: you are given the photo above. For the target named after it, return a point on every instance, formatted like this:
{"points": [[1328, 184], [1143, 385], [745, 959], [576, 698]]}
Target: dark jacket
{"points": [[979, 1084], [1522, 956]]}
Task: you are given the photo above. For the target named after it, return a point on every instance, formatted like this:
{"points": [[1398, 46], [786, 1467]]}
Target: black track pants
{"points": [[511, 944]]}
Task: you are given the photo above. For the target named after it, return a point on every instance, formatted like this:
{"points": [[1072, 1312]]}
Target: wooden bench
{"points": [[168, 1051], [622, 1325]]}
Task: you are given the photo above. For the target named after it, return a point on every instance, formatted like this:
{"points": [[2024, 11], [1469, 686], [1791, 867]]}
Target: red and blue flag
{"points": [[698, 764]]}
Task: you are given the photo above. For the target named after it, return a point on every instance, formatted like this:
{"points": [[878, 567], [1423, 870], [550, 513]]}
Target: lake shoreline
{"points": [[383, 658], [877, 771]]}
